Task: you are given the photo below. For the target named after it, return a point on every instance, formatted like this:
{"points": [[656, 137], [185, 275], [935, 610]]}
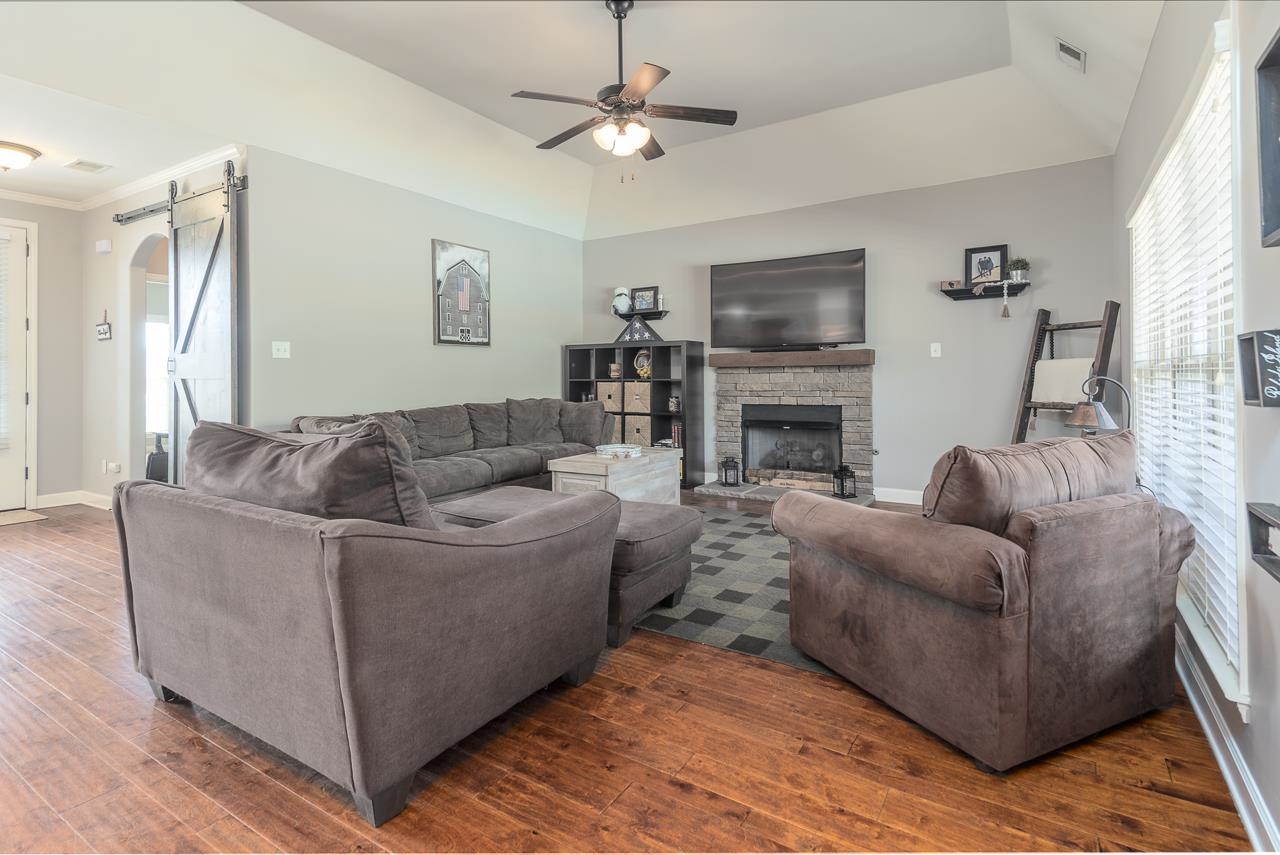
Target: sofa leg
{"points": [[618, 635], [385, 805], [983, 767], [582, 672], [164, 694], [673, 599]]}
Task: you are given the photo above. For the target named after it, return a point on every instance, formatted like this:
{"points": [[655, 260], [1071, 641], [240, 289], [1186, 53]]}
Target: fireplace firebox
{"points": [[790, 445]]}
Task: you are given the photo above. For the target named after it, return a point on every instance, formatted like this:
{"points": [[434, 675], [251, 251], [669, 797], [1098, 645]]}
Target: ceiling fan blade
{"points": [[564, 99], [651, 150], [642, 82], [574, 131], [691, 114]]}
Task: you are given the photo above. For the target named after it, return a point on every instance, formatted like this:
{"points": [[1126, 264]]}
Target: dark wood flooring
{"points": [[673, 746]]}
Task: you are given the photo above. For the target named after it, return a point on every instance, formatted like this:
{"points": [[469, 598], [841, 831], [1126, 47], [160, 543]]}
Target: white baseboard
{"points": [[902, 497], [73, 497], [1258, 822]]}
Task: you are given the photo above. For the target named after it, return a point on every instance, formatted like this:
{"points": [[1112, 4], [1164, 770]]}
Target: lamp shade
{"points": [[1091, 415]]}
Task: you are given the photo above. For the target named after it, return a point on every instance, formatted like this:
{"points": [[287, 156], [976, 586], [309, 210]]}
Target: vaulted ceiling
{"points": [[836, 99]]}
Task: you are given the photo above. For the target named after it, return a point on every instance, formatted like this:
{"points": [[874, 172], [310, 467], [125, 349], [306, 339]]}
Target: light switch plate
{"points": [[279, 350], [935, 350]]}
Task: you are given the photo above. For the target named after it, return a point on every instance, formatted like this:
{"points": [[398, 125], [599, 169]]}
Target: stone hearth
{"points": [[847, 385]]}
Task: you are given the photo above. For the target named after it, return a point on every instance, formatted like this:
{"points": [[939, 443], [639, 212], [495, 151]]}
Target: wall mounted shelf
{"points": [[991, 292], [648, 315]]}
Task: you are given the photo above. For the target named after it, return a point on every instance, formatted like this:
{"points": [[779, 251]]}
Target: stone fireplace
{"points": [[790, 445], [791, 418]]}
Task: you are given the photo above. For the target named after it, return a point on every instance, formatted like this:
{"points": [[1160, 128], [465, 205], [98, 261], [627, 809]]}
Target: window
{"points": [[1183, 351]]}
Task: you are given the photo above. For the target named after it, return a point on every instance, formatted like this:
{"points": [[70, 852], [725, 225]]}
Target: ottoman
{"points": [[651, 553]]}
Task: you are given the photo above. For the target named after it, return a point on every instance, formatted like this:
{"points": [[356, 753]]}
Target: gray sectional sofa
{"points": [[465, 448]]}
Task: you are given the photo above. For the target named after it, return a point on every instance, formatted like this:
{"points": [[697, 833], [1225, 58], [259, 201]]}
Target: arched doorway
{"points": [[150, 397]]}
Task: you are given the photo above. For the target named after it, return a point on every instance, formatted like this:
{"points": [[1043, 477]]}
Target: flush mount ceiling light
{"points": [[619, 130], [15, 156]]}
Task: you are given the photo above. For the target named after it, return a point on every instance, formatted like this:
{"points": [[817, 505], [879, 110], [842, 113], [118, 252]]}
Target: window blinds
{"points": [[5, 415], [1183, 349]]}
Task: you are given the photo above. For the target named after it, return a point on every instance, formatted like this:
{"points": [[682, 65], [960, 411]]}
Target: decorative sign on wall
{"points": [[1260, 368], [463, 308], [103, 329]]}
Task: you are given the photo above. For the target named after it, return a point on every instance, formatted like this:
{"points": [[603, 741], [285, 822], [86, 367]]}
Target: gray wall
{"points": [[59, 344], [340, 266], [1060, 218]]}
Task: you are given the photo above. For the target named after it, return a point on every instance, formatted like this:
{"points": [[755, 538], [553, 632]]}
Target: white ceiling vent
{"points": [[1071, 56], [87, 166]]}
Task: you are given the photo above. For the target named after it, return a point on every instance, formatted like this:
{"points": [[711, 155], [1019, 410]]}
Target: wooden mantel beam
{"points": [[783, 359]]}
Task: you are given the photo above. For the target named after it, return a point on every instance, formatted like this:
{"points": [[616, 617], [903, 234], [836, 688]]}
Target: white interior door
{"points": [[13, 367]]}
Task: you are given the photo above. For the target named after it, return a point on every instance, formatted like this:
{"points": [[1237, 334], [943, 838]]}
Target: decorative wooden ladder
{"points": [[1044, 330]]}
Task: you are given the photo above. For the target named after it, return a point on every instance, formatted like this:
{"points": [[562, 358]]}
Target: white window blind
{"points": [[5, 249], [1183, 349]]}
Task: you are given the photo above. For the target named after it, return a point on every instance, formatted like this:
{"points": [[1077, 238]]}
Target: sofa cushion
{"points": [[325, 424], [556, 450], [439, 476], [533, 420], [489, 424], [583, 422], [364, 475], [985, 487], [401, 424], [442, 430], [509, 463]]}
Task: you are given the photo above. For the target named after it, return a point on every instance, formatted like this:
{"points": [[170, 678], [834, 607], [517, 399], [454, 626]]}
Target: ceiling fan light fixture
{"points": [[16, 156], [605, 135], [631, 138]]}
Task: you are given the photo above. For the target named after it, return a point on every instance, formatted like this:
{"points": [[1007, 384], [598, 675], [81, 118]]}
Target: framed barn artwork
{"points": [[463, 307]]}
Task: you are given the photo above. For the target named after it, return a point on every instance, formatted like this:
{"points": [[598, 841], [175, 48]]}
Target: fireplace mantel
{"points": [[793, 358]]}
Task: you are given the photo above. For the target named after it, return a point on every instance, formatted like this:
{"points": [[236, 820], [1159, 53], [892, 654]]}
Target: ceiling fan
{"points": [[619, 130]]}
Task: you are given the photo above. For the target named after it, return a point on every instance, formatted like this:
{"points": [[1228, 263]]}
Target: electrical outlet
{"points": [[279, 350], [935, 350]]}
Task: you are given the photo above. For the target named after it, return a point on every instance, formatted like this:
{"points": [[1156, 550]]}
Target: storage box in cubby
{"points": [[636, 430], [635, 396], [609, 393]]}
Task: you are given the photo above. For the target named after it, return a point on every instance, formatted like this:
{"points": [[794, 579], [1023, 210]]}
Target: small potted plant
{"points": [[1018, 268]]}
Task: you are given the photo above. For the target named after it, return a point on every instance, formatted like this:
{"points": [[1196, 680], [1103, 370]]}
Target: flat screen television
{"points": [[806, 302]]}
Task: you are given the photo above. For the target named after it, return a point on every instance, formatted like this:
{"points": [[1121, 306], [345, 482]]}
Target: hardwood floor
{"points": [[673, 746]]}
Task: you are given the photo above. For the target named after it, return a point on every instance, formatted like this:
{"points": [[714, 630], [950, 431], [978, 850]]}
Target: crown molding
{"points": [[140, 185], [34, 199]]}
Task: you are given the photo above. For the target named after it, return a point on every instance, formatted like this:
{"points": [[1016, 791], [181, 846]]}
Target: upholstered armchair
{"points": [[1030, 606]]}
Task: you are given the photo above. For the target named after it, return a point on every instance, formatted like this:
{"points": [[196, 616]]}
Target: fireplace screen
{"points": [[787, 438]]}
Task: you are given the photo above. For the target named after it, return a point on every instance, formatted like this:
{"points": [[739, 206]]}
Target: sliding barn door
{"points": [[202, 316]]}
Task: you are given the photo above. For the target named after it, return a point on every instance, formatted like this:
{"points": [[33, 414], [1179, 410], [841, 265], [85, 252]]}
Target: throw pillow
{"points": [[363, 475], [326, 424], [583, 422], [533, 420], [984, 487]]}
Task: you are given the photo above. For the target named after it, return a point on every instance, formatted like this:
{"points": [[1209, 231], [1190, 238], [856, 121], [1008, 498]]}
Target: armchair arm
{"points": [[438, 632], [967, 566]]}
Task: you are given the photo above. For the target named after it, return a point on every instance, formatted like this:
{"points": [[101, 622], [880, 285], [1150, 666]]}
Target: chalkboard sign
{"points": [[1260, 368]]}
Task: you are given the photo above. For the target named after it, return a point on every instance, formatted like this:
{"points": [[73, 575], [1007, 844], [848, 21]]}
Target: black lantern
{"points": [[730, 472], [844, 484]]}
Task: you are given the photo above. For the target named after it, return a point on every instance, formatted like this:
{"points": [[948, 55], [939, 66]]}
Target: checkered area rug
{"points": [[739, 597]]}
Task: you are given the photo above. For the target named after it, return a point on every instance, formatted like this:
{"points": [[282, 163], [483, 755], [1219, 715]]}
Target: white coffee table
{"points": [[654, 476]]}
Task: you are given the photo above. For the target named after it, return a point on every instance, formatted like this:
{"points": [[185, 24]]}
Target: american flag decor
{"points": [[463, 303]]}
